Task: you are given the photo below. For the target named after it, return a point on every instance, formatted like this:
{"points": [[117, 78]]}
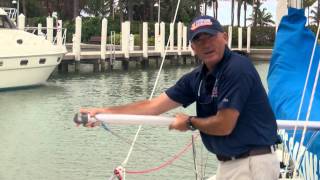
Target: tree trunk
{"points": [[239, 11], [120, 3], [256, 5], [66, 10], [318, 18], [245, 14], [130, 10], [232, 12], [113, 9], [205, 8], [47, 7], [24, 8], [217, 9], [173, 10], [198, 13], [213, 4], [75, 8], [151, 11]]}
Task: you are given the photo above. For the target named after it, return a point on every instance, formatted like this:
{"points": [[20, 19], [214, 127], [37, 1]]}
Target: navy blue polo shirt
{"points": [[234, 83]]}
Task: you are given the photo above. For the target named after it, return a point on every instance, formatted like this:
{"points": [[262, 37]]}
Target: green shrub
{"points": [[114, 25], [117, 38], [263, 36], [34, 21], [70, 26], [151, 41], [91, 26]]}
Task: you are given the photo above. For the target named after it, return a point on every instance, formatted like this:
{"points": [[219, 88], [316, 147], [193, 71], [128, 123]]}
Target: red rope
{"points": [[165, 164]]}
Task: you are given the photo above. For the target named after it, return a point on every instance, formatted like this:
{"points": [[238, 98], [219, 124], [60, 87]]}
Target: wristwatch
{"points": [[189, 123]]}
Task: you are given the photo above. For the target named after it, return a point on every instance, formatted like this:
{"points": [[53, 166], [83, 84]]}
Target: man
{"points": [[233, 113]]}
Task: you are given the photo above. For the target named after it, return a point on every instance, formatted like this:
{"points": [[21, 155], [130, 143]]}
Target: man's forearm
{"points": [[211, 125], [221, 124]]}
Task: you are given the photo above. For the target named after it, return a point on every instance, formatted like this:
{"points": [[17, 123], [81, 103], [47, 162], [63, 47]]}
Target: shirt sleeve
{"points": [[182, 91], [235, 90]]}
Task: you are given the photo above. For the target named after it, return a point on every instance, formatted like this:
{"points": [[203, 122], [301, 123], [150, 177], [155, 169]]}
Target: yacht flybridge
{"points": [[26, 59]]}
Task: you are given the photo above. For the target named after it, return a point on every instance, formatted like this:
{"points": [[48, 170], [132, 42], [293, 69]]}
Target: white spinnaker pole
{"points": [[127, 119]]}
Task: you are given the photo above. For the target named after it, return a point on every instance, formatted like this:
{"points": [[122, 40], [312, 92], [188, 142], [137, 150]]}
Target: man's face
{"points": [[210, 48]]}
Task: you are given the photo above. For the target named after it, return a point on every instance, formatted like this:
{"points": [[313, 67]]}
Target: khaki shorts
{"points": [[259, 167]]}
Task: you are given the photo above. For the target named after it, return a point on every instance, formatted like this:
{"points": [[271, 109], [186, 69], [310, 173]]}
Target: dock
{"points": [[104, 55], [91, 54]]}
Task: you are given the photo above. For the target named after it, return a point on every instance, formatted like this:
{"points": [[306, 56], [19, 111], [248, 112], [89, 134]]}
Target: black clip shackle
{"points": [[81, 118]]}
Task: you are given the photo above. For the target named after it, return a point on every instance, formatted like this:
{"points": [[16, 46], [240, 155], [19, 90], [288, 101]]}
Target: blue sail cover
{"points": [[286, 79]]}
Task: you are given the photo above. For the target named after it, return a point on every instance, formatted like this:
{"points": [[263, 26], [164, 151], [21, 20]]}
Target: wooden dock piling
{"points": [[103, 65], [125, 64]]}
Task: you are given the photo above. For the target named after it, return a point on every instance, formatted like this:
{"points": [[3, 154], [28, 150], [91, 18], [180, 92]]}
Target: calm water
{"points": [[38, 139]]}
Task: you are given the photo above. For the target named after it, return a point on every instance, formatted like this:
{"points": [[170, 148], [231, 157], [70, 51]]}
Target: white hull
{"points": [[13, 74], [26, 59]]}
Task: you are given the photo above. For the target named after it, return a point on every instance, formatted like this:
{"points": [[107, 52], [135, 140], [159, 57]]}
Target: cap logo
{"points": [[200, 23]]}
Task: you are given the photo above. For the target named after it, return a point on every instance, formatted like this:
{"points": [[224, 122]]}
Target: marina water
{"points": [[38, 139]]}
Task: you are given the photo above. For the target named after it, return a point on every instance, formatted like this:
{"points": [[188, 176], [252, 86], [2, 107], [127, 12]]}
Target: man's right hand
{"points": [[93, 111]]}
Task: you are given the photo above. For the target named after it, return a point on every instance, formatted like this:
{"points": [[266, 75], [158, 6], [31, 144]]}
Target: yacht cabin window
{"points": [[6, 23]]}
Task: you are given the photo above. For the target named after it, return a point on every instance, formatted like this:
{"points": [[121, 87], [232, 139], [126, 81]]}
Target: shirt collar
{"points": [[226, 56]]}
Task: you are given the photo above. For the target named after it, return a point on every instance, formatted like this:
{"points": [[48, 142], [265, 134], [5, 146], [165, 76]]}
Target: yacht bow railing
{"points": [[59, 34]]}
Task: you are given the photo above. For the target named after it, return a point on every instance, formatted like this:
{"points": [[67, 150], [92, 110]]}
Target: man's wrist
{"points": [[189, 123]]}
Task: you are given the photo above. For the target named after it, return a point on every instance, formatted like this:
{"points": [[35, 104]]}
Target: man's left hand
{"points": [[180, 123]]}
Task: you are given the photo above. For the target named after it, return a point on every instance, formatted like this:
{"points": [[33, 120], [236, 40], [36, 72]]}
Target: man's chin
{"points": [[211, 60]]}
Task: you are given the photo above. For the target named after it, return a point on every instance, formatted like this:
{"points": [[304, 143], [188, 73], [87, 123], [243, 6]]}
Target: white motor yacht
{"points": [[26, 59]]}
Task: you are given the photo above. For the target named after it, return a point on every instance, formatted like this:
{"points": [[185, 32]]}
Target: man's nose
{"points": [[206, 43]]}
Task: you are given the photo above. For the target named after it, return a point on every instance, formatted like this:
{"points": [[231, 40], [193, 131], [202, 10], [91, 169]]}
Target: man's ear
{"points": [[225, 36], [192, 46]]}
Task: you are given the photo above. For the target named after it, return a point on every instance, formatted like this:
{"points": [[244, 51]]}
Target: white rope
{"points": [[300, 154], [124, 163], [164, 56]]}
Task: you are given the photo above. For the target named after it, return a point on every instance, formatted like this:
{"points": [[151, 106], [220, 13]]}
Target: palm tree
{"points": [[245, 14], [264, 18], [215, 8], [212, 4], [245, 4], [256, 9], [239, 11], [307, 4], [198, 13], [314, 16], [206, 2]]}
